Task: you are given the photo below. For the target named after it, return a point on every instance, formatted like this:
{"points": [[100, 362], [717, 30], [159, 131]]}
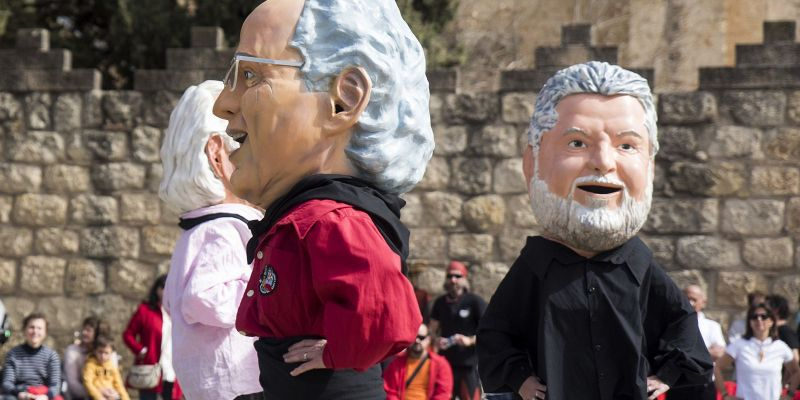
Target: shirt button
{"points": [[592, 289], [250, 293], [602, 375], [243, 333], [259, 255], [598, 347]]}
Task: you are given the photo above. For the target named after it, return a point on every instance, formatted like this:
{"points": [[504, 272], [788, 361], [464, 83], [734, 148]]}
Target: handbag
{"points": [[144, 376]]}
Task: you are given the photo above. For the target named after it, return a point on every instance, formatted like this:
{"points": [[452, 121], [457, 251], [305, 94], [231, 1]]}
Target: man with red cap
{"points": [[453, 324]]}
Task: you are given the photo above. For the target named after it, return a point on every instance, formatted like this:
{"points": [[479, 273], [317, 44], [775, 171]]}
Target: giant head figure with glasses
{"points": [[329, 102], [594, 289]]}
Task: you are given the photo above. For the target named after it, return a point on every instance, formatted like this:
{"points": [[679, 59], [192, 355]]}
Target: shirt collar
{"points": [[634, 254]]}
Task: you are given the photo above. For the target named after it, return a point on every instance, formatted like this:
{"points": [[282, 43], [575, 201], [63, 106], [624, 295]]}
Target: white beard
{"points": [[594, 227]]}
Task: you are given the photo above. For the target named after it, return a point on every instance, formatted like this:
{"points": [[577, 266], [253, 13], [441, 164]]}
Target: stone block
{"points": [[163, 267], [37, 147], [110, 242], [676, 142], [774, 55], [471, 175], [169, 215], [155, 173], [442, 80], [429, 278], [42, 275], [62, 178], [94, 210], [525, 80], [92, 113], [40, 210], [18, 308], [64, 314], [412, 213], [139, 208], [115, 309], [8, 276], [775, 181], [753, 217], [19, 178], [792, 108], [450, 139], [442, 209], [427, 244], [56, 241], [85, 277], [685, 278], [436, 109], [787, 286], [495, 141], [708, 179], [730, 141], [160, 240], [67, 112], [130, 278], [121, 109], [755, 107], [471, 247], [508, 176], [19, 59], [793, 215], [517, 108], [486, 277], [105, 145], [159, 106], [34, 39], [10, 107], [708, 252], [779, 31], [576, 34], [663, 248], [686, 108], [437, 174], [211, 37], [512, 240], [519, 211], [484, 213], [750, 78], [15, 242], [558, 57], [194, 58], [682, 216], [6, 205], [733, 287], [782, 144], [146, 143], [119, 176], [470, 107], [32, 80], [769, 253], [154, 80], [37, 110]]}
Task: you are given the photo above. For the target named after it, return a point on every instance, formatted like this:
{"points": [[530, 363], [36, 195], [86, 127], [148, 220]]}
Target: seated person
{"points": [[419, 373], [32, 371], [101, 376], [76, 353]]}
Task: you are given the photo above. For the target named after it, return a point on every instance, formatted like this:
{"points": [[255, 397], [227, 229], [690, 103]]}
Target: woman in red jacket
{"points": [[148, 325]]}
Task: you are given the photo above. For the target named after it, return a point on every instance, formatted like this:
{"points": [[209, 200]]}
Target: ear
{"points": [[350, 93], [527, 165], [215, 150]]}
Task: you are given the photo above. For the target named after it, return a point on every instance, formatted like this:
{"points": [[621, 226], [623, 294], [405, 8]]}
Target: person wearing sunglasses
{"points": [[758, 357], [454, 323], [328, 101], [418, 373]]}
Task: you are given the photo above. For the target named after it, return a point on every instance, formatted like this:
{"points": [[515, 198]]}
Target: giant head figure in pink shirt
{"points": [[326, 87], [589, 162]]}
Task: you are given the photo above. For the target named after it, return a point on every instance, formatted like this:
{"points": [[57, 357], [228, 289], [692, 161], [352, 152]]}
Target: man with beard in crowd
{"points": [[419, 373], [585, 312], [454, 323]]}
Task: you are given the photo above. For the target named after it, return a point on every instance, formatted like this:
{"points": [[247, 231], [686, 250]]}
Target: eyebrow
{"points": [[629, 132], [574, 129]]}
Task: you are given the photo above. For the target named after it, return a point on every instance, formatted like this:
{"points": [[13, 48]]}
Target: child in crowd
{"points": [[101, 375]]}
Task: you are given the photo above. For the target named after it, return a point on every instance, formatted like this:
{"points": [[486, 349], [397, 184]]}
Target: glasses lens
{"points": [[762, 317], [451, 276], [233, 71], [422, 337]]}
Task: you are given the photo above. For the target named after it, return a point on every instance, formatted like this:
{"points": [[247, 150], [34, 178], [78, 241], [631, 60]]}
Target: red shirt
{"points": [[440, 381], [325, 270]]}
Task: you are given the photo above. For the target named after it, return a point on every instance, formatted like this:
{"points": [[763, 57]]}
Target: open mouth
{"points": [[238, 136], [599, 189]]}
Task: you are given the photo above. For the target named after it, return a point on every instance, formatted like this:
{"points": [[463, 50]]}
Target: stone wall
{"points": [[82, 230]]}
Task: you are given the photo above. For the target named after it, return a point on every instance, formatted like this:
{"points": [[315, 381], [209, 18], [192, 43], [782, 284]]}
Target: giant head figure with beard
{"points": [[589, 161]]}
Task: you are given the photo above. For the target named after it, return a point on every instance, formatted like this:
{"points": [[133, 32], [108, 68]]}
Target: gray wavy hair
{"points": [[591, 77], [393, 140], [188, 182]]}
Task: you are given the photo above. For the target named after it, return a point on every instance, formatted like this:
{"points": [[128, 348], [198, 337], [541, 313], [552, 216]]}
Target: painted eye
{"points": [[250, 78], [576, 144]]}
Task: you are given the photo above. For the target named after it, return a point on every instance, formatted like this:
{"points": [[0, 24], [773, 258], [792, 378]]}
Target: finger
{"points": [[541, 388], [307, 366]]}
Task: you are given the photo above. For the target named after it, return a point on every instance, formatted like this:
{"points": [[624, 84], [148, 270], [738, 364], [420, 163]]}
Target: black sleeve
{"points": [[436, 310], [677, 353], [507, 333], [790, 337]]}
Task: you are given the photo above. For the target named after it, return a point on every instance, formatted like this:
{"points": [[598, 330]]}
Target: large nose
{"points": [[603, 158], [227, 104]]}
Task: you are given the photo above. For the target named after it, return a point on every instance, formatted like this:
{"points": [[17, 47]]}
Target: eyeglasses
{"points": [[422, 337], [761, 317], [232, 76], [457, 276]]}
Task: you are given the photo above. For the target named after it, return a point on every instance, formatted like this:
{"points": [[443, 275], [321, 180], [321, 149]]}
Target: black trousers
{"points": [[702, 392]]}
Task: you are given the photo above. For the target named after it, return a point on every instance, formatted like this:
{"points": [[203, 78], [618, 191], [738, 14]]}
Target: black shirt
{"points": [[789, 336], [589, 328], [459, 316]]}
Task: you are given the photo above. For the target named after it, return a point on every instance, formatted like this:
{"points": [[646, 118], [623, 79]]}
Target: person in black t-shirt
{"points": [[454, 324], [780, 307]]}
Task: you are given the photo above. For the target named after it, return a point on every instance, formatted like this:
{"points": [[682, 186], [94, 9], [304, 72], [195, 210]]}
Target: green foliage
{"points": [[120, 36]]}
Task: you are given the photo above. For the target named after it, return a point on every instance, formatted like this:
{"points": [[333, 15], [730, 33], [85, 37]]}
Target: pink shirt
{"points": [[206, 281]]}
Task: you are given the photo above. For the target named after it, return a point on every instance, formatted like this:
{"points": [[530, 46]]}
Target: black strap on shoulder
{"points": [[416, 370], [189, 223]]}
